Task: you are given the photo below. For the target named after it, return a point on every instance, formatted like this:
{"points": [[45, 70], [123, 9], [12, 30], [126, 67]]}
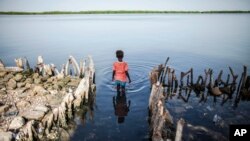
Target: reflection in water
{"points": [[85, 109], [121, 106], [218, 87], [207, 91]]}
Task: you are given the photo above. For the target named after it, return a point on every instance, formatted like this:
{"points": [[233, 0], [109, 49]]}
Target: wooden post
{"points": [[237, 97], [176, 82], [234, 76], [218, 80], [244, 79], [48, 122], [192, 77], [172, 76], [228, 78], [153, 77], [164, 75], [169, 77], [183, 74], [27, 132], [27, 64], [247, 84], [160, 68], [160, 116], [188, 80], [166, 62], [206, 76], [1, 64], [199, 79], [180, 124]]}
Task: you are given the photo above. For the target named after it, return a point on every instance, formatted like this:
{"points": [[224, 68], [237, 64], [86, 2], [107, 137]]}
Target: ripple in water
{"points": [[139, 74]]}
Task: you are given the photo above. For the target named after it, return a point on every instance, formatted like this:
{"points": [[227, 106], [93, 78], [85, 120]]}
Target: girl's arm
{"points": [[128, 76]]}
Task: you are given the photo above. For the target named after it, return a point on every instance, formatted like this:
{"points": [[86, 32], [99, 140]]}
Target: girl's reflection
{"points": [[120, 106]]}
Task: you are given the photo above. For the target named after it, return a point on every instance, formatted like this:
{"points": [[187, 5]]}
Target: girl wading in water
{"points": [[120, 72]]}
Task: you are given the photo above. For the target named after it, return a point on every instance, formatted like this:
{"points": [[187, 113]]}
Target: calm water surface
{"points": [[190, 40]]}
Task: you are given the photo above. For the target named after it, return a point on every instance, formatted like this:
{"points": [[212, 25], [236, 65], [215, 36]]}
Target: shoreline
{"points": [[123, 12]]}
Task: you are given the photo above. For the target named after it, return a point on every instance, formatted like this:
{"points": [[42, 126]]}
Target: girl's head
{"points": [[119, 54]]}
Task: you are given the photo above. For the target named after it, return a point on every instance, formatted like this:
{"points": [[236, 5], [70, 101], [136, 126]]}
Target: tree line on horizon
{"points": [[116, 12]]}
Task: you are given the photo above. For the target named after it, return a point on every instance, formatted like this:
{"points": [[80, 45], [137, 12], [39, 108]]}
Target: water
{"points": [[190, 40]]}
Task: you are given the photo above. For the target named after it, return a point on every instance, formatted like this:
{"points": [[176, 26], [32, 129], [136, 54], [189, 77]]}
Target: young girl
{"points": [[120, 72]]}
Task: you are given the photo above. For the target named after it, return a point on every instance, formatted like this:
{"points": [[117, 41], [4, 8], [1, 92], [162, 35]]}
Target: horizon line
{"points": [[121, 12]]}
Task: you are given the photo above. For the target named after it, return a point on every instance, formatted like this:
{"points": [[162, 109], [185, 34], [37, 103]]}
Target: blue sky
{"points": [[81, 5]]}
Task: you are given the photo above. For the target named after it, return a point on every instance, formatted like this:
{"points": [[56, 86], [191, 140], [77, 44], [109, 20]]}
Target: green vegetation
{"points": [[115, 12]]}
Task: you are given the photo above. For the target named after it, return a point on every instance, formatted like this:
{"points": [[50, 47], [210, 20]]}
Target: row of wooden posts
{"points": [[215, 87], [49, 69], [60, 115], [161, 120]]}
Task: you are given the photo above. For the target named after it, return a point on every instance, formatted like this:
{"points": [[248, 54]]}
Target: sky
{"points": [[83, 5]]}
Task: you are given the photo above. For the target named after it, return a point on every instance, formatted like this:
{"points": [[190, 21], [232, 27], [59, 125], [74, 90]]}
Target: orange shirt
{"points": [[120, 68]]}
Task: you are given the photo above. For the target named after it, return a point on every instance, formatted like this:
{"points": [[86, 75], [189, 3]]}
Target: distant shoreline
{"points": [[119, 12]]}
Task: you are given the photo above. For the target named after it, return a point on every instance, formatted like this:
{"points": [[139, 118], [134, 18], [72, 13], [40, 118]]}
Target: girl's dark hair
{"points": [[119, 54]]}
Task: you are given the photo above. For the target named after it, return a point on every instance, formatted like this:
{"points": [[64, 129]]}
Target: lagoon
{"points": [[200, 41]]}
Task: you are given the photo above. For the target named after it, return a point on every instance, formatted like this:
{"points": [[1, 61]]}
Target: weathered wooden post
{"points": [[192, 76], [19, 62], [237, 97], [244, 87], [212, 88], [180, 124], [1, 64], [183, 74], [75, 65], [160, 119], [163, 76], [234, 76]]}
